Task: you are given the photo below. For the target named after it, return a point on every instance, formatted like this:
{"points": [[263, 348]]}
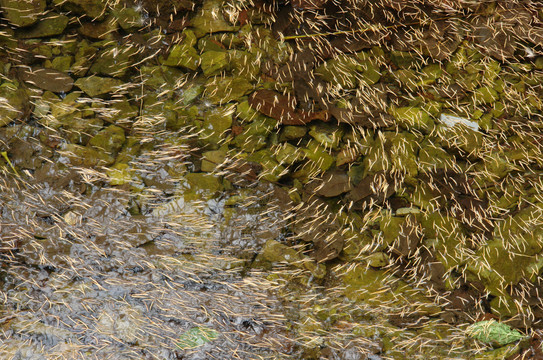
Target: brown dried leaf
{"points": [[378, 187], [334, 184], [48, 79], [283, 108]]}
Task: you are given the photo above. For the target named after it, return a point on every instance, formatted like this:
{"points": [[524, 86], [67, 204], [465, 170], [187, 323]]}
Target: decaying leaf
{"points": [[334, 184], [378, 187], [283, 108], [48, 79]]}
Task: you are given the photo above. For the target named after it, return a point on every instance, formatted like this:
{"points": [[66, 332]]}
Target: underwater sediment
{"points": [[265, 179]]}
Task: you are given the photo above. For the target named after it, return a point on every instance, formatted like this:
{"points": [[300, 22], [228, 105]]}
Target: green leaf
{"points": [[493, 332], [196, 337]]}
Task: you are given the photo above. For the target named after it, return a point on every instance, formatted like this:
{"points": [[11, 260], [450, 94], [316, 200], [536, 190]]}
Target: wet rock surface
{"points": [[355, 180]]}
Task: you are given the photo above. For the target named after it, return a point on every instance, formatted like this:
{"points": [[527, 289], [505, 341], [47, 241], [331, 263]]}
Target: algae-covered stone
{"points": [[210, 19], [361, 285], [514, 252], [51, 25], [114, 60], [318, 156], [460, 137], [213, 62], [110, 140], [403, 148], [288, 154], [90, 8], [429, 74], [216, 123], [184, 54], [413, 118], [485, 95], [378, 260], [120, 174], [128, 18], [244, 64], [403, 59], [292, 132], [222, 91], [62, 63], [445, 238], [273, 251], [271, 170], [245, 112], [327, 135], [22, 12], [202, 183], [433, 157], [340, 71], [255, 134], [212, 159], [84, 156], [12, 103], [95, 85]]}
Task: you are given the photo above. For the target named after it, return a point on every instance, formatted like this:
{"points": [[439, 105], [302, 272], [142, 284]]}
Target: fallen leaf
{"points": [[48, 79], [283, 108]]}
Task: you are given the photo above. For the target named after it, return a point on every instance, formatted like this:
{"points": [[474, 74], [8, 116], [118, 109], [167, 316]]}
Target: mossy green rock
{"points": [[210, 19], [319, 156], [273, 251], [110, 140], [445, 238], [86, 156], [429, 74], [120, 174], [340, 71], [62, 63], [114, 61], [216, 122], [402, 149], [292, 133], [514, 252], [327, 135], [95, 85], [203, 184], [459, 137], [433, 157], [212, 159], [255, 134], [413, 118], [90, 8], [485, 95], [244, 64], [271, 170], [183, 55], [12, 103], [246, 113], [51, 25], [222, 91], [22, 12], [213, 62], [128, 18], [288, 154], [361, 285]]}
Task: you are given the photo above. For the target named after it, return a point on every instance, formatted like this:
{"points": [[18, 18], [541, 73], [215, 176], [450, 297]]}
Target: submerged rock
{"points": [[94, 85], [22, 12]]}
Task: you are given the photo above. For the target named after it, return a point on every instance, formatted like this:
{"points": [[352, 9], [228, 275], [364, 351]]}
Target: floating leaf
{"points": [[493, 332], [197, 336]]}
